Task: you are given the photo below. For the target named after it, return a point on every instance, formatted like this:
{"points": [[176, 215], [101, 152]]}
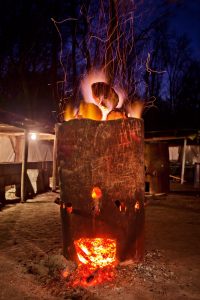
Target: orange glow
{"points": [[101, 100], [69, 112], [89, 111], [85, 276], [105, 95], [92, 77], [96, 193], [122, 96], [96, 252], [122, 207], [69, 210], [137, 205], [105, 111], [135, 109], [65, 273], [115, 115]]}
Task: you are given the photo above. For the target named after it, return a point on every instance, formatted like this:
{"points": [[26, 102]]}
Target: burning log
{"points": [[100, 90], [89, 111], [115, 115], [105, 95]]}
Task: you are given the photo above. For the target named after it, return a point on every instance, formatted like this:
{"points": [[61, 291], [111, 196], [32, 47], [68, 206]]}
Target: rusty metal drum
{"points": [[101, 174]]}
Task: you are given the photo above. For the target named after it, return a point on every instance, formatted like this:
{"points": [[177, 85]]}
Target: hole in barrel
{"points": [[68, 207]]}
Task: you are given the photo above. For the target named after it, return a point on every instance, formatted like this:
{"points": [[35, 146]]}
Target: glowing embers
{"points": [[96, 252], [85, 276]]}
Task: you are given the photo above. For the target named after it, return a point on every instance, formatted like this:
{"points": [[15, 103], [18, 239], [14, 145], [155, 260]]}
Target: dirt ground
{"points": [[31, 260]]}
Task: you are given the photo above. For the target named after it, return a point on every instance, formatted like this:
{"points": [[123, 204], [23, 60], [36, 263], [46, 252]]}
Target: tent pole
{"points": [[54, 174], [24, 167], [183, 161]]}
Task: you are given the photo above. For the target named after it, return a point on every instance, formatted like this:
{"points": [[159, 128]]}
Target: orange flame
{"points": [[96, 193], [85, 276], [102, 101], [122, 207], [135, 109], [122, 96], [69, 112], [89, 111], [137, 205], [97, 258], [96, 252]]}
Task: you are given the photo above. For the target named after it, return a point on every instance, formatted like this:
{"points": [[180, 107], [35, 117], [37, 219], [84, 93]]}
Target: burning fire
{"points": [[97, 258], [69, 112], [87, 82], [102, 101], [89, 111], [135, 109], [115, 115], [96, 252]]}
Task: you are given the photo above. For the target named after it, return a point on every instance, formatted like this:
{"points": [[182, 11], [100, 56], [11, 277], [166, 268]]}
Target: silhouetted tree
{"points": [[188, 100], [47, 47]]}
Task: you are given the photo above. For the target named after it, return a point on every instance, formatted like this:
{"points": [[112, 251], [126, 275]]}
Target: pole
{"points": [[24, 167], [183, 161], [54, 175]]}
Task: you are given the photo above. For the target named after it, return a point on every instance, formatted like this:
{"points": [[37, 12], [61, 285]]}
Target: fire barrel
{"points": [[101, 175]]}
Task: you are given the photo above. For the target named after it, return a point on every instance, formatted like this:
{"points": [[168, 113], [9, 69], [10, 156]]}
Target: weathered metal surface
{"points": [[157, 167], [108, 155]]}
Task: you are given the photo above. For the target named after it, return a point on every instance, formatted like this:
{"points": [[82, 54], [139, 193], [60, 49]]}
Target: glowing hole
{"points": [[96, 193], [96, 252], [68, 207], [117, 203], [121, 206]]}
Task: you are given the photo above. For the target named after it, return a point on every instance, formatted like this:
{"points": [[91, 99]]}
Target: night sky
{"points": [[186, 19], [29, 64]]}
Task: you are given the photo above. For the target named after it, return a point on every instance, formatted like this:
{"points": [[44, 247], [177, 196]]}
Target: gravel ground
{"points": [[31, 262]]}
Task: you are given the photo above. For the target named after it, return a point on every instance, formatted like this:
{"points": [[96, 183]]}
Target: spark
{"points": [[149, 70]]}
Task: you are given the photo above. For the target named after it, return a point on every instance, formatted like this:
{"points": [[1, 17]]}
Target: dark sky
{"points": [[183, 18], [186, 19]]}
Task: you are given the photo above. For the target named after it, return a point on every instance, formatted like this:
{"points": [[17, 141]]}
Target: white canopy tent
{"points": [[16, 145], [11, 149]]}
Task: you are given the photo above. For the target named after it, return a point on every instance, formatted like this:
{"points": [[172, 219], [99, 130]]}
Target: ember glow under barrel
{"points": [[101, 173]]}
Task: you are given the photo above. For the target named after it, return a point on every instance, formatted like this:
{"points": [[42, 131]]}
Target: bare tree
{"points": [[176, 59]]}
